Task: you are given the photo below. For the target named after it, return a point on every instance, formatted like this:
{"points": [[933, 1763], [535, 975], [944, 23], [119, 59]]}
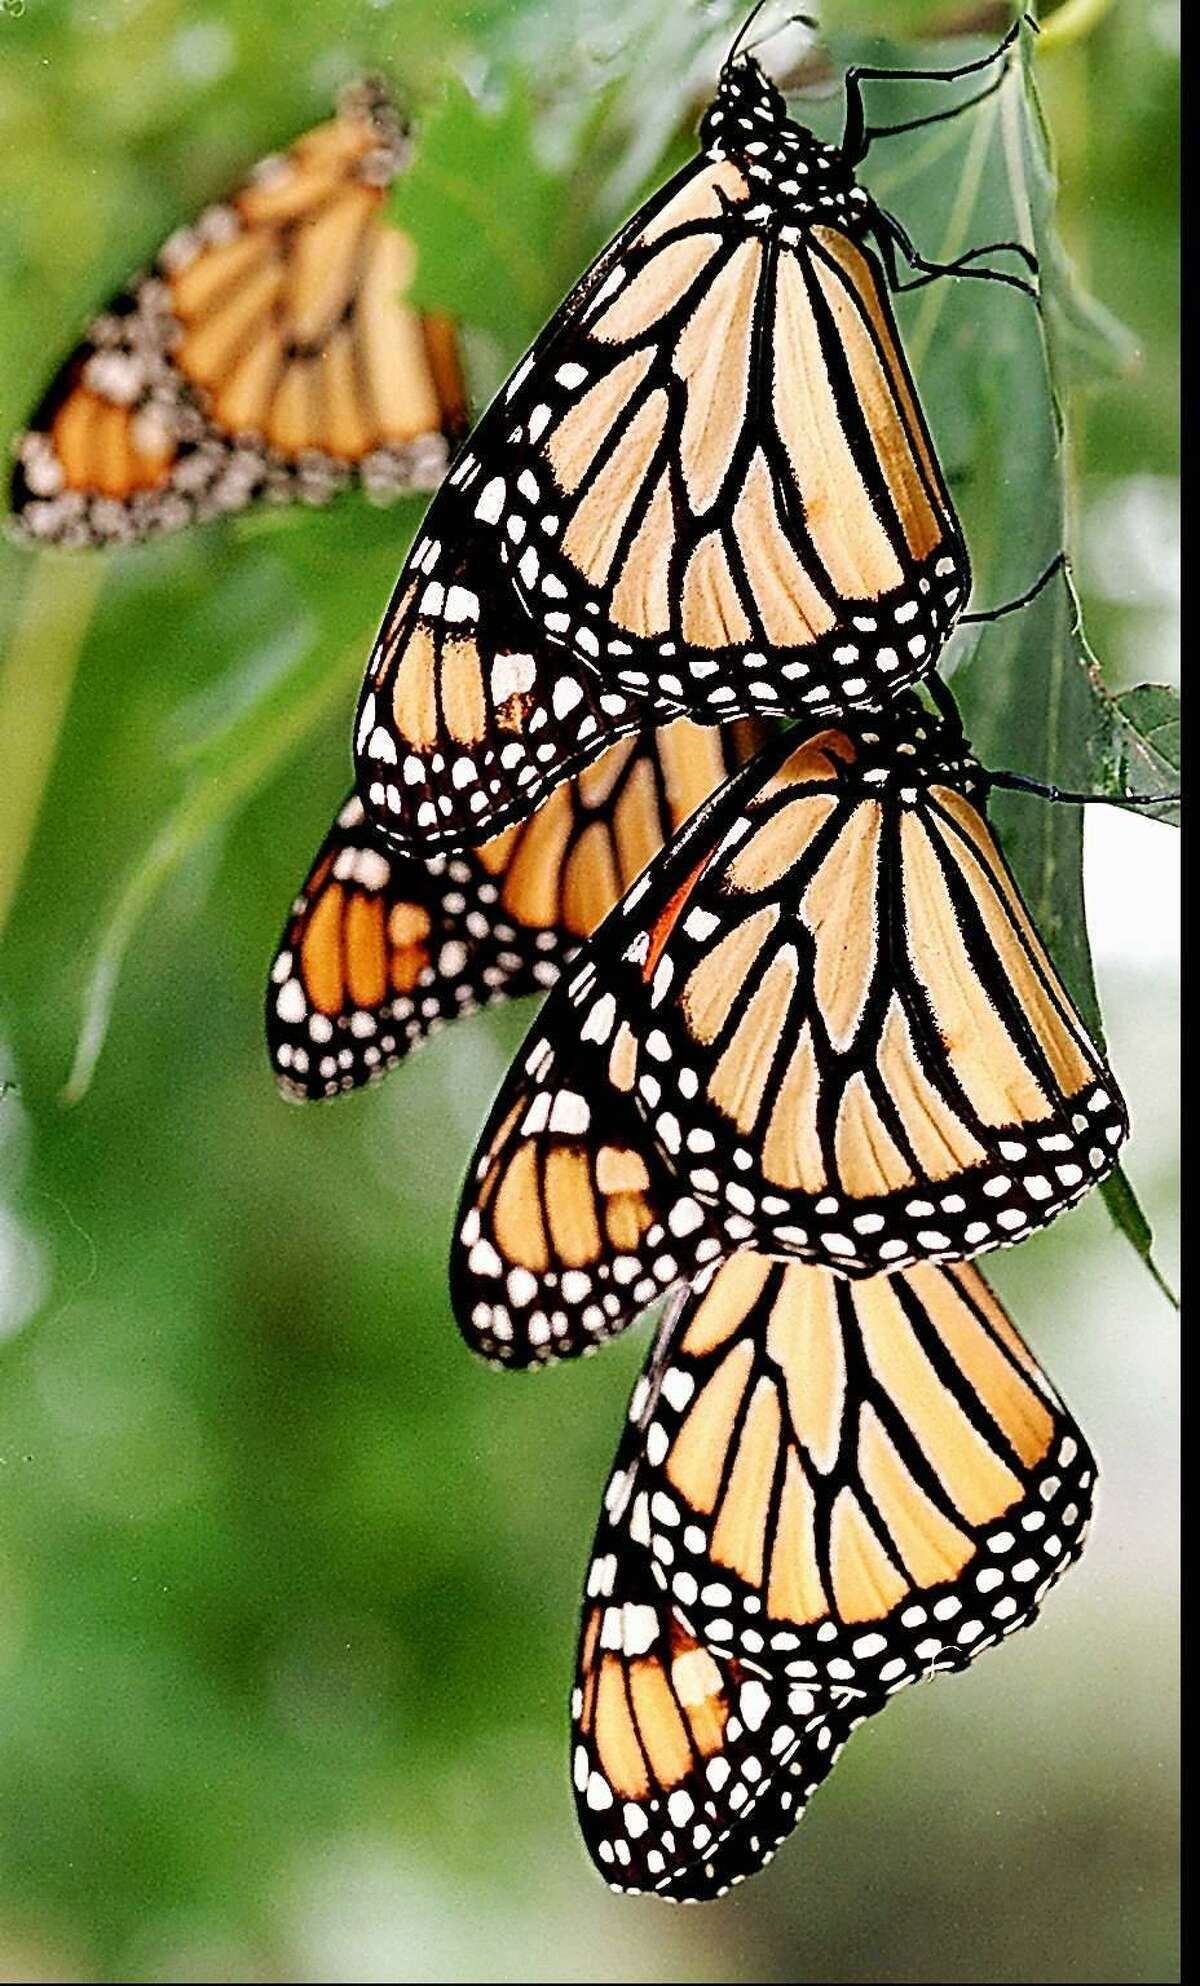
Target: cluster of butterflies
{"points": [[641, 727]]}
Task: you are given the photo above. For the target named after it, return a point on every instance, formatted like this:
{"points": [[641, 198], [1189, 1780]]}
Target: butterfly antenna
{"points": [[742, 32]]}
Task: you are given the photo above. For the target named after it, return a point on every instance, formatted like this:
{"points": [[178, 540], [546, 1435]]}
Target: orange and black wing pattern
{"points": [[857, 1481], [709, 483], [270, 352], [381, 948], [827, 1490], [747, 511], [468, 718], [830, 1007], [689, 1766], [569, 1225]]}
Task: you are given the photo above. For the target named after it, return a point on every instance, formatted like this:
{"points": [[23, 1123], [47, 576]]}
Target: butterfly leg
{"points": [[1059, 563], [857, 134], [1020, 782], [891, 235]]}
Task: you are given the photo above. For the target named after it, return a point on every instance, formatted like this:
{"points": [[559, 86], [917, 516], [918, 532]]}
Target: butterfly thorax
{"points": [[796, 176], [895, 756]]}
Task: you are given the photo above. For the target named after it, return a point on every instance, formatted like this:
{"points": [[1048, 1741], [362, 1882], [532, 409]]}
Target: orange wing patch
{"points": [[270, 353]]}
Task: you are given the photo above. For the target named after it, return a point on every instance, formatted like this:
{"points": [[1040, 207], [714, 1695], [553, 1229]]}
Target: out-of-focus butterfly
{"points": [[827, 1490], [826, 1026], [270, 352], [709, 481], [381, 947]]}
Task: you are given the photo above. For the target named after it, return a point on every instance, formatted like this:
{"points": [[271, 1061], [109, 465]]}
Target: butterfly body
{"points": [[269, 353], [709, 485]]}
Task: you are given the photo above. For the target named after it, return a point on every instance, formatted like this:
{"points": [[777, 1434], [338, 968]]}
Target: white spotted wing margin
{"points": [[689, 1767], [468, 716]]}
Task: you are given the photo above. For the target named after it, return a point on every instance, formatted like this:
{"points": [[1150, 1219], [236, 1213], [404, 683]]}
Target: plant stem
{"points": [[1070, 23], [211, 797], [35, 689]]}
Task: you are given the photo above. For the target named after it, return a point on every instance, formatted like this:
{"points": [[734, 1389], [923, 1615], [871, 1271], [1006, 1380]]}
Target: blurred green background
{"points": [[288, 1584]]}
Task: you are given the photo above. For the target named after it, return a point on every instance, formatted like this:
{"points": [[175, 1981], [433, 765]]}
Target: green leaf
{"points": [[1122, 1203], [483, 208], [225, 770]]}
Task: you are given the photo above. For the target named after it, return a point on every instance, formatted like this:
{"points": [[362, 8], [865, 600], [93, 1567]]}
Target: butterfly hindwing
{"points": [[689, 1766], [568, 1227], [830, 1007], [468, 718], [270, 352], [381, 947]]}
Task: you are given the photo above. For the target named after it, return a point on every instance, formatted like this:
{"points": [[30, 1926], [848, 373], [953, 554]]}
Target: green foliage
{"points": [[480, 197], [286, 1585]]}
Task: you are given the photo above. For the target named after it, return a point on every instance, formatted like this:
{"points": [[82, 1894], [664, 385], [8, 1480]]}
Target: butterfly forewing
{"points": [[829, 1005], [270, 352], [381, 947], [716, 484], [709, 482]]}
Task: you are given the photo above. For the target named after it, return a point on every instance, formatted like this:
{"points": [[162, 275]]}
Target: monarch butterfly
{"points": [[709, 482], [269, 352], [827, 1490], [824, 1022], [381, 948]]}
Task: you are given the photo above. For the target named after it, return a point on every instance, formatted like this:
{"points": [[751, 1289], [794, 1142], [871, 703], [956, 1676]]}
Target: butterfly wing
{"points": [[689, 1766], [467, 718], [826, 1490], [381, 947], [709, 480], [856, 1483], [374, 958], [715, 484], [567, 1229], [270, 352], [830, 1006]]}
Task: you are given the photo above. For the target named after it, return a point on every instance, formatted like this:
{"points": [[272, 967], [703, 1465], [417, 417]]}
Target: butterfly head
{"points": [[787, 164], [747, 108], [908, 748]]}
